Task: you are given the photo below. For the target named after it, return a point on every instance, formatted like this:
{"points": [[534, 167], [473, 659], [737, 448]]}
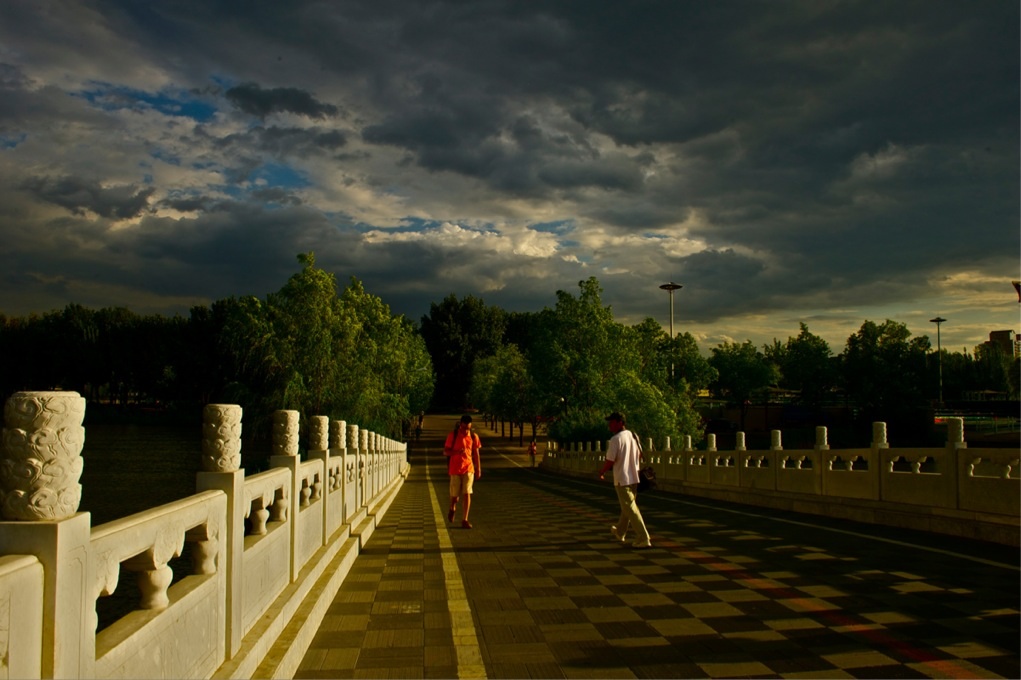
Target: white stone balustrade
{"points": [[241, 588], [953, 489]]}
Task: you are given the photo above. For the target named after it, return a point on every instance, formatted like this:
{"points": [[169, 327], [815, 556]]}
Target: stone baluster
{"points": [[366, 466], [318, 447], [879, 436], [221, 438], [775, 440], [285, 455], [221, 471], [955, 433], [666, 447], [318, 433], [687, 443], [285, 433], [739, 443], [822, 439], [40, 469], [43, 443], [710, 441], [356, 465], [338, 447]]}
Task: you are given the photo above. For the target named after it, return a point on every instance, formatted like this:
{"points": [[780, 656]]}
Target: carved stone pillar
{"points": [[318, 433], [739, 443], [955, 433], [41, 465], [221, 438], [710, 441], [775, 440], [879, 435], [821, 439], [285, 433], [338, 434]]}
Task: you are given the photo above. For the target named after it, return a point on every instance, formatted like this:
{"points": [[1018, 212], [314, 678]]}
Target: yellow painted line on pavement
{"points": [[462, 625]]}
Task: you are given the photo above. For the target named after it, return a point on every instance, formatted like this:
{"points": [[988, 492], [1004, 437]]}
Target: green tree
{"points": [[884, 368], [457, 333], [744, 373], [805, 364]]}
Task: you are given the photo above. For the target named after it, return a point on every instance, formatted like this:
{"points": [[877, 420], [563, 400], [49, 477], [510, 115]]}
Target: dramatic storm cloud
{"points": [[825, 162]]}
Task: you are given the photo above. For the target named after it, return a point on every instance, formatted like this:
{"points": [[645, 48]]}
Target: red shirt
{"points": [[461, 447]]}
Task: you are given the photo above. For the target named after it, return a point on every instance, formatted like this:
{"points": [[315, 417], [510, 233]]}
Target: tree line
{"points": [[572, 364], [307, 347], [341, 353]]}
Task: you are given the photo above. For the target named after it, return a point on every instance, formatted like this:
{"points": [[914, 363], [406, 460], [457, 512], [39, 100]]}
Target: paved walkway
{"points": [[540, 589]]}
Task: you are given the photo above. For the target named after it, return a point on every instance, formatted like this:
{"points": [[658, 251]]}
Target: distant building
{"points": [[1008, 342]]}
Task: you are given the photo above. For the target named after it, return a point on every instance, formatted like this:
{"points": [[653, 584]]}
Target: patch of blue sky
{"points": [[110, 97], [165, 156], [11, 141], [280, 175], [416, 224], [659, 237], [568, 243], [555, 227]]}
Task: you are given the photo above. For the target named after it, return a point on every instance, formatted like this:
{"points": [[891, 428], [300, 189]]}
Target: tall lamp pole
{"points": [[939, 352], [670, 288]]}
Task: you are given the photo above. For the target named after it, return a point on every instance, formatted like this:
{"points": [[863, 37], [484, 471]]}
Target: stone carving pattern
{"points": [[338, 434], [318, 433], [41, 466], [285, 433], [221, 438]]}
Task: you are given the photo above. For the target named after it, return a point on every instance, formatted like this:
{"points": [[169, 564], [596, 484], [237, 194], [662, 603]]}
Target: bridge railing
{"points": [[954, 489], [257, 546]]}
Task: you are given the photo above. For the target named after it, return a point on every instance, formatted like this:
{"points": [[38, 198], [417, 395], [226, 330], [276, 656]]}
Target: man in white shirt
{"points": [[624, 455]]}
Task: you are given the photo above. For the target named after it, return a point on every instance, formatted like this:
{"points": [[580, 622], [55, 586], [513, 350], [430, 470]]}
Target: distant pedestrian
{"points": [[464, 466], [531, 452], [624, 454]]}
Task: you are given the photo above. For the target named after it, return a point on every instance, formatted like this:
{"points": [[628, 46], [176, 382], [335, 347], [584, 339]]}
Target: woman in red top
{"points": [[463, 464]]}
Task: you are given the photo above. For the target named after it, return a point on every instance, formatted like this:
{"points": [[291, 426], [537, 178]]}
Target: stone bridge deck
{"points": [[539, 588]]}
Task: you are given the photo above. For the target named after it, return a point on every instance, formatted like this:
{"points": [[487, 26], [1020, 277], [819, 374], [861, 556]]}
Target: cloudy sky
{"points": [[824, 162]]}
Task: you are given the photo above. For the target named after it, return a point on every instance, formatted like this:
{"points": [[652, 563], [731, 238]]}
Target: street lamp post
{"points": [[939, 353], [670, 288]]}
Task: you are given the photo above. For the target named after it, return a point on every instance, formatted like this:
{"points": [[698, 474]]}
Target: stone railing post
{"points": [[352, 440], [687, 443], [739, 444], [821, 439], [710, 442], [666, 447], [879, 436], [775, 440], [366, 462], [285, 455], [955, 434], [338, 448], [39, 497], [319, 449], [221, 470]]}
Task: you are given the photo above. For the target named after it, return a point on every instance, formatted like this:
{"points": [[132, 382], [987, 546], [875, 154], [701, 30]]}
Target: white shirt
{"points": [[625, 453]]}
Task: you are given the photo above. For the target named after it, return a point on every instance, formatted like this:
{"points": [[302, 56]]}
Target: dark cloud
{"points": [[78, 195], [252, 99], [284, 142], [778, 159]]}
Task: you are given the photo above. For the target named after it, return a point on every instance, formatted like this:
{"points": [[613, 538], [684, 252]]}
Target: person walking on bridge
{"points": [[464, 466], [624, 455]]}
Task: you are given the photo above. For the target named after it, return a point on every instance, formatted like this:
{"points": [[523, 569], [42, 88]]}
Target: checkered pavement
{"points": [[539, 588]]}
